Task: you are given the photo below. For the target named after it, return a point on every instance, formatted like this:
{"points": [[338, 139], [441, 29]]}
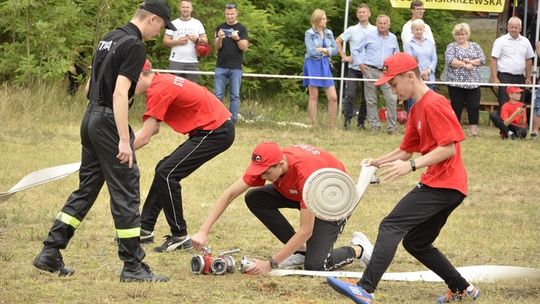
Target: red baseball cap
{"points": [[510, 90], [395, 65], [264, 156], [147, 65]]}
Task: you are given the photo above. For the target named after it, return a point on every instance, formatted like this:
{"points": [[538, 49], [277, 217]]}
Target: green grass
{"points": [[497, 224]]}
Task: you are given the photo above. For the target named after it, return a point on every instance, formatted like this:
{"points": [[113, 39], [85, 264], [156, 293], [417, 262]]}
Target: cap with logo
{"points": [[395, 65], [511, 89], [160, 8], [264, 156]]}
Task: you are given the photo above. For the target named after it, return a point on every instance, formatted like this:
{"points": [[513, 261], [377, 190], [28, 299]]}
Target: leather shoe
{"points": [[140, 272], [50, 259]]}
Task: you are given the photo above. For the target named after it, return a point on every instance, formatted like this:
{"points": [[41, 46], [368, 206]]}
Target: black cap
{"points": [[160, 8]]}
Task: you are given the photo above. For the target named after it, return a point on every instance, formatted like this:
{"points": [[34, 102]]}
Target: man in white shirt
{"points": [[182, 42], [353, 35], [417, 12], [511, 59]]}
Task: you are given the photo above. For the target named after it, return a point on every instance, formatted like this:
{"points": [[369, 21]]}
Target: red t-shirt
{"points": [[183, 105], [508, 108], [433, 123], [303, 160]]}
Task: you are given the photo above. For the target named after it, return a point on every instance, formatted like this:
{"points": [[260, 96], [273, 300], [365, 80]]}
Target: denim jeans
{"points": [[235, 81]]}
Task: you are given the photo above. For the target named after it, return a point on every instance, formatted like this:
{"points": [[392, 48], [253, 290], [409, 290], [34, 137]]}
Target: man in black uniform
{"points": [[107, 146]]}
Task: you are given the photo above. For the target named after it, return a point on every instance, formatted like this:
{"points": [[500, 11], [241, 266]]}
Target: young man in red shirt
{"points": [[312, 245], [433, 131], [513, 119], [187, 108]]}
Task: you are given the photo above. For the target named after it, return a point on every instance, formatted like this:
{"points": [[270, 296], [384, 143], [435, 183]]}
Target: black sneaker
{"points": [[50, 259], [140, 272], [147, 237], [534, 136], [173, 242], [347, 124]]}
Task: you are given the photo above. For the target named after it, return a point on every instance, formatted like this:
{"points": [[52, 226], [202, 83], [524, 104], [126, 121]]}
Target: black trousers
{"points": [[470, 98], [508, 78], [99, 138], [499, 123], [417, 220], [264, 202], [350, 95], [166, 192]]}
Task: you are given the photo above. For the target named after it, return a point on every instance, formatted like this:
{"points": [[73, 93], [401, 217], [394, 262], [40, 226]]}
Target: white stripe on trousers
{"points": [[169, 174]]}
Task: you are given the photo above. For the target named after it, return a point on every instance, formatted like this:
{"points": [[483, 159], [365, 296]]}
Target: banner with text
{"points": [[492, 6]]}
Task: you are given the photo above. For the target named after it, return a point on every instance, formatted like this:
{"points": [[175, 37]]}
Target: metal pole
{"points": [[525, 18], [535, 69], [343, 63]]}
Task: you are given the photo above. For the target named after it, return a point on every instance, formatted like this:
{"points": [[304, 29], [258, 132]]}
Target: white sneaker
{"points": [[360, 239], [294, 261]]}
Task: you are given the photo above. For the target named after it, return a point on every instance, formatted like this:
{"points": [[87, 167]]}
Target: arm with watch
{"points": [[399, 162], [297, 241]]}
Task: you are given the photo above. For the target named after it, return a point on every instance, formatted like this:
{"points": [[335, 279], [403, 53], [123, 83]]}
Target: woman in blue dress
{"points": [[320, 46]]}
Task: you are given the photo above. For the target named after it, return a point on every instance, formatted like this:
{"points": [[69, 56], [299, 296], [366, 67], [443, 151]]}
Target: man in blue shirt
{"points": [[353, 35], [370, 53]]}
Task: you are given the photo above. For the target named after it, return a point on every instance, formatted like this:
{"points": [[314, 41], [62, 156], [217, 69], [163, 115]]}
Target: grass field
{"points": [[497, 224]]}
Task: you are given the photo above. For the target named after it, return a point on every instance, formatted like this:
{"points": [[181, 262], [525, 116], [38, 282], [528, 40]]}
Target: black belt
{"points": [[373, 67], [99, 109], [517, 75]]}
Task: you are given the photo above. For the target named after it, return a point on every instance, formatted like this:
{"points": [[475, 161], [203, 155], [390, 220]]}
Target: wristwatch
{"points": [[413, 165], [273, 263]]}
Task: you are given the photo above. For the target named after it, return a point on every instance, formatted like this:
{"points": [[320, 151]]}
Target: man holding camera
{"points": [[189, 32], [231, 41], [312, 245]]}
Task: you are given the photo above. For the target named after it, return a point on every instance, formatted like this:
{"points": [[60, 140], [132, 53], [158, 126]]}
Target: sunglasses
{"points": [[230, 6]]}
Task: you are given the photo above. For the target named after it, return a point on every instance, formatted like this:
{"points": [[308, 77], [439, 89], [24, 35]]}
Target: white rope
{"points": [[534, 86], [256, 75]]}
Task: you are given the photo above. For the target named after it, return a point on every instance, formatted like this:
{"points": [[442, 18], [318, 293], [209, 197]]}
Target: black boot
{"points": [[50, 259], [140, 272]]}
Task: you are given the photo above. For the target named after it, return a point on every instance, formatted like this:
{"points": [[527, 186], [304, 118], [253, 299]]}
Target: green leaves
{"points": [[40, 39]]}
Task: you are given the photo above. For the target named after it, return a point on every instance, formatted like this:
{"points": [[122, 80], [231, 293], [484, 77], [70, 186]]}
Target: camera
{"points": [[206, 264], [228, 32]]}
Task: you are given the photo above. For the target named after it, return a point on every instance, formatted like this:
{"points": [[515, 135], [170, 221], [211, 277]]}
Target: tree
{"points": [[40, 38]]}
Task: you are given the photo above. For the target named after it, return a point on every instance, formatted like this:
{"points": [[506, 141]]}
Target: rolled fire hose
{"points": [[331, 193]]}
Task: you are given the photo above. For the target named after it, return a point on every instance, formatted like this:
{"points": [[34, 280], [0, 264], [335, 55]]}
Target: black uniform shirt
{"points": [[127, 60]]}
